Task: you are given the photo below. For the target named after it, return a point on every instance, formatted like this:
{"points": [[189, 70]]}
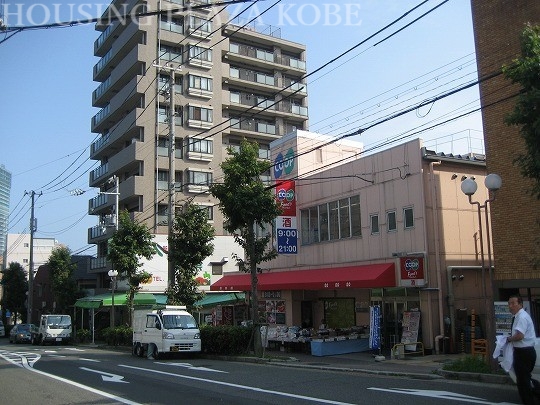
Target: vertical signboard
{"points": [[286, 226], [375, 327]]}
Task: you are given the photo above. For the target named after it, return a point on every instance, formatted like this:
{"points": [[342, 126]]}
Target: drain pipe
{"points": [[437, 253], [451, 297]]}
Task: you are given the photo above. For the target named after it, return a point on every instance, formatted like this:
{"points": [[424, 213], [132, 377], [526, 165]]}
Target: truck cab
{"points": [[165, 331], [53, 329]]}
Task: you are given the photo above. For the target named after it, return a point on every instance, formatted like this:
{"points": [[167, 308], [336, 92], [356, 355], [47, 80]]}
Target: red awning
{"points": [[368, 276]]}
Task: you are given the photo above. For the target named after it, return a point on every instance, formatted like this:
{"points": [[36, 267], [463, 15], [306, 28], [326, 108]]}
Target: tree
{"points": [[15, 286], [525, 71], [129, 243], [247, 202], [189, 245], [64, 287]]}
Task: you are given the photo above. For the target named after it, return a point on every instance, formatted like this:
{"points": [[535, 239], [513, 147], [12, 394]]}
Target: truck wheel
{"points": [[139, 350]]}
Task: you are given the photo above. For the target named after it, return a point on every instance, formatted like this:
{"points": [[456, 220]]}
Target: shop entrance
{"points": [[394, 303]]}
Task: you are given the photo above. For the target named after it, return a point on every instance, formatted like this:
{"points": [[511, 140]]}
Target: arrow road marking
{"points": [[437, 394], [107, 376], [191, 367], [239, 386]]}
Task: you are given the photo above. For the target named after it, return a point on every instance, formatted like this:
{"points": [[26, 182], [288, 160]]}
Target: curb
{"points": [[479, 377]]}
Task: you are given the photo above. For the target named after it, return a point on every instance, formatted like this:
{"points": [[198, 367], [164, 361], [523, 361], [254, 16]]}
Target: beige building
{"points": [[175, 91], [18, 250], [391, 229]]}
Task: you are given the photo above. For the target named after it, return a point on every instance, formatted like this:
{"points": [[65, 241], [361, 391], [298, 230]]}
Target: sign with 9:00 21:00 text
{"points": [[287, 241]]}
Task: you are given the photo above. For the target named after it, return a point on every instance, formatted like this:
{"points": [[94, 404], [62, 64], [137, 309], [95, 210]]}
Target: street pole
{"points": [[172, 170], [492, 182], [112, 274], [33, 229]]}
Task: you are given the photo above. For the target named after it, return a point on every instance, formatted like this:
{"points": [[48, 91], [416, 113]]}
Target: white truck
{"points": [[168, 330], [53, 329]]}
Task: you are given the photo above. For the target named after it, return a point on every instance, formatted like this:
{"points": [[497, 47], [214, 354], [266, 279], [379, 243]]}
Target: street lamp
{"points": [[493, 182], [112, 274]]}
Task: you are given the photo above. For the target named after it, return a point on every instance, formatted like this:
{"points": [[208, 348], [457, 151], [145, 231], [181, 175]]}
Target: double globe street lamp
{"points": [[493, 182], [112, 274]]}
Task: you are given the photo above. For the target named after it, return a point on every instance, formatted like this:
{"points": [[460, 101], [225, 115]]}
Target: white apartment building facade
{"points": [[176, 90]]}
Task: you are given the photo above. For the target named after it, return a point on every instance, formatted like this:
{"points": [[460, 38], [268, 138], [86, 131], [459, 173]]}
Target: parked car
{"points": [[2, 329], [23, 332]]}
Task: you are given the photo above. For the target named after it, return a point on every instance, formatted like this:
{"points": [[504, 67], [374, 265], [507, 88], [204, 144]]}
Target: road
{"points": [[61, 375]]}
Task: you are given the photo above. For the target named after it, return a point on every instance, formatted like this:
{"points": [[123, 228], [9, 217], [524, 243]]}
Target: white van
{"points": [[54, 329], [168, 330]]}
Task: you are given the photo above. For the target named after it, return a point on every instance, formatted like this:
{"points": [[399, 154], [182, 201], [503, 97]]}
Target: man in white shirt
{"points": [[522, 337]]}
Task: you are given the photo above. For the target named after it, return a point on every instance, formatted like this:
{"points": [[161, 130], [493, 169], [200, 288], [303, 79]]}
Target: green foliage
{"points": [[525, 71], [129, 243], [189, 244], [469, 364], [225, 340], [83, 335], [117, 336], [64, 287], [246, 201], [14, 287]]}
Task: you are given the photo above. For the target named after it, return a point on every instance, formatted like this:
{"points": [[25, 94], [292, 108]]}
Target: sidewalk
{"points": [[412, 366]]}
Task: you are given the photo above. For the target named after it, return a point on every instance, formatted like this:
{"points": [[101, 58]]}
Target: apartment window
{"points": [[200, 82], [391, 222], [200, 53], [172, 24], [200, 24], [374, 220], [217, 269], [163, 83], [201, 145], [163, 180], [200, 113], [170, 53], [200, 178], [408, 218]]}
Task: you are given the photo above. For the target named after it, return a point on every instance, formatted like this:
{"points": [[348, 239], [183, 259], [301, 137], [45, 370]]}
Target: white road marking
{"points": [[107, 376], [244, 387], [191, 367], [90, 360], [26, 365], [439, 395]]}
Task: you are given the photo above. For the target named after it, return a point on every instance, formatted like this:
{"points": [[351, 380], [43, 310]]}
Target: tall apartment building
{"points": [[515, 213], [228, 82], [5, 189]]}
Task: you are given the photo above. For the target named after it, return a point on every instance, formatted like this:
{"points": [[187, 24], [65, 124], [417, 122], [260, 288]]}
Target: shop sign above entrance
{"points": [[411, 271]]}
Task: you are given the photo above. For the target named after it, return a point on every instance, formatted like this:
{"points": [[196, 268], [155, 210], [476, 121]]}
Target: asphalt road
{"points": [[61, 375]]}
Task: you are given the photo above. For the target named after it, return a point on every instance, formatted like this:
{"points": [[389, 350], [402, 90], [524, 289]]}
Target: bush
{"points": [[469, 364], [118, 336], [225, 340], [83, 335]]}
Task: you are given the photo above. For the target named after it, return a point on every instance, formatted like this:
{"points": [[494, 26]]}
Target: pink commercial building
{"points": [[391, 229]]}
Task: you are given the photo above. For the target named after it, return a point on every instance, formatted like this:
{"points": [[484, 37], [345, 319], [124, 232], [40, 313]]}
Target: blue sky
{"points": [[45, 108]]}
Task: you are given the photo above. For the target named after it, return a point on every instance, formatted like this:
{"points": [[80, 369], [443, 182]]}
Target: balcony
{"points": [[261, 57]]}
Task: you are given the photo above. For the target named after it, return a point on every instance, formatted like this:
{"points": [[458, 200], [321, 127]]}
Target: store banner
{"points": [[375, 327], [286, 226]]}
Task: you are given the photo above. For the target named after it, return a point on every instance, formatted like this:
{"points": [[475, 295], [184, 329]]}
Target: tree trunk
{"points": [[257, 341]]}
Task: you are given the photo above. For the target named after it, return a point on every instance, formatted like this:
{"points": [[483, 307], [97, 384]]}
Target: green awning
{"points": [[120, 299], [211, 300]]}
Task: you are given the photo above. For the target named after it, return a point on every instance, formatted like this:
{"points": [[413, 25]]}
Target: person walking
{"points": [[522, 337]]}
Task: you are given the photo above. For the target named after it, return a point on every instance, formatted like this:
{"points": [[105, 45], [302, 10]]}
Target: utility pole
{"points": [[33, 228], [172, 171]]}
